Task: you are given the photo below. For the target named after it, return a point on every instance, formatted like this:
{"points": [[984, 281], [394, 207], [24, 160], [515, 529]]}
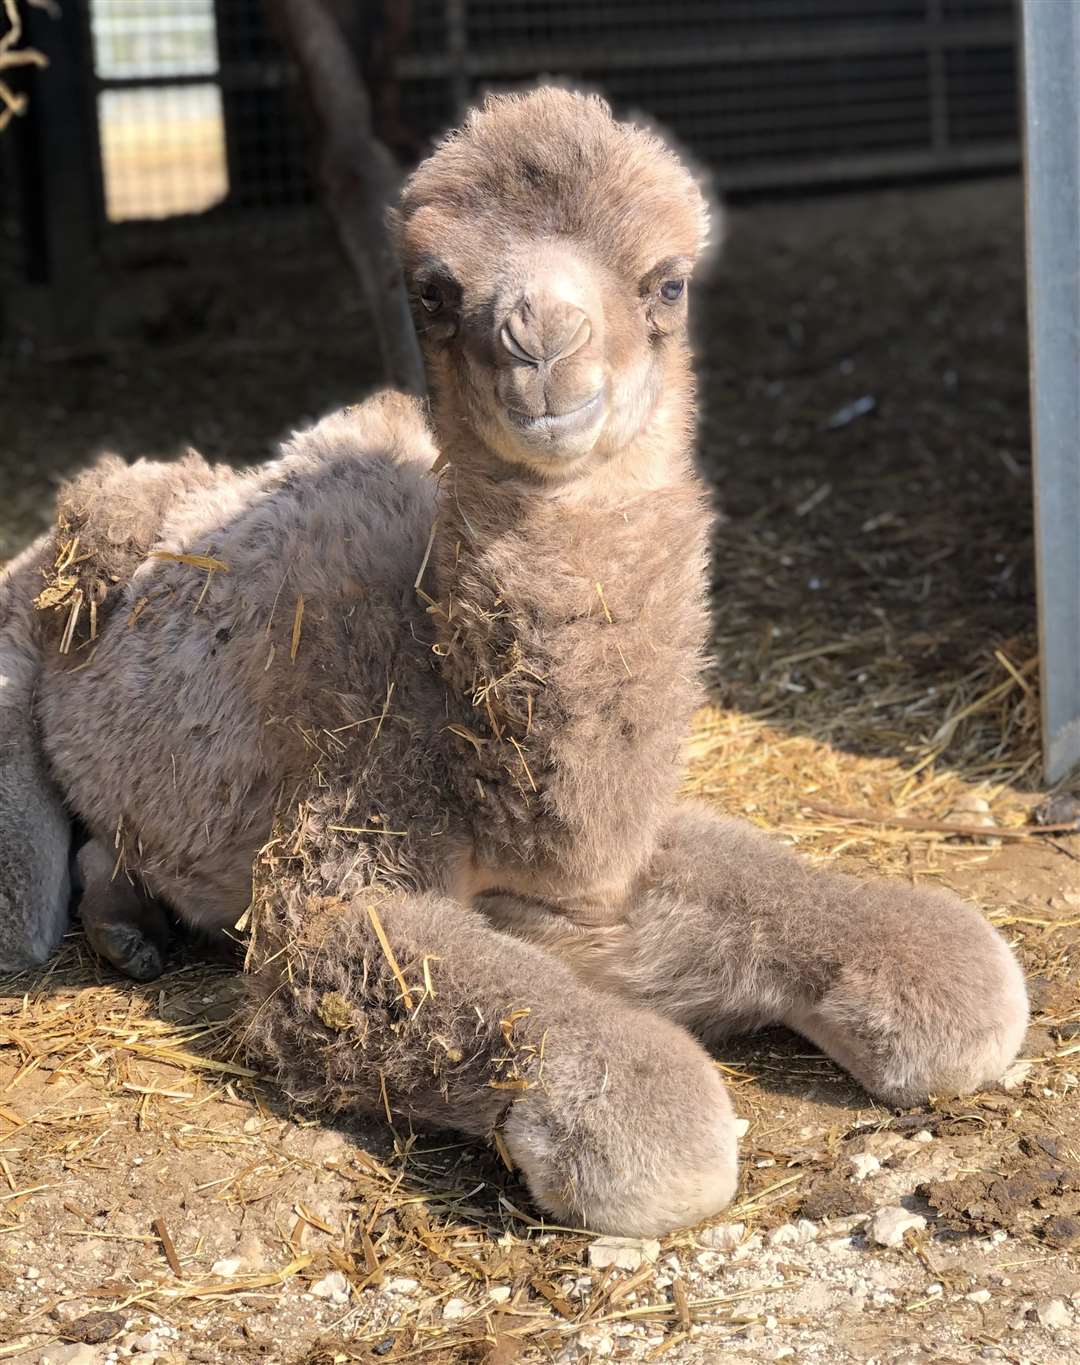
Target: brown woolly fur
{"points": [[408, 708]]}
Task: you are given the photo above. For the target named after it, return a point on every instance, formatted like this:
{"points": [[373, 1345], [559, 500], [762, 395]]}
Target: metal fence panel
{"points": [[1052, 100]]}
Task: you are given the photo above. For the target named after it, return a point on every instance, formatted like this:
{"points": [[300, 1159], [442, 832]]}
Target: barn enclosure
{"points": [[170, 276]]}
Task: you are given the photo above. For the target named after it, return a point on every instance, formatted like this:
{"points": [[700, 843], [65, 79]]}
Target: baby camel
{"points": [[442, 719]]}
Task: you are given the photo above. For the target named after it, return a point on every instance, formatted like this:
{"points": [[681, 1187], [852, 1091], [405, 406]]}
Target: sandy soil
{"points": [[874, 601]]}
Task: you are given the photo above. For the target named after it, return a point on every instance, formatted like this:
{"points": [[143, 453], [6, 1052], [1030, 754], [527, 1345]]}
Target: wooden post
{"points": [[64, 189], [358, 176]]}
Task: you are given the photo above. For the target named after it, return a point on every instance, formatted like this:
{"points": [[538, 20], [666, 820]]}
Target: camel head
{"points": [[548, 251]]}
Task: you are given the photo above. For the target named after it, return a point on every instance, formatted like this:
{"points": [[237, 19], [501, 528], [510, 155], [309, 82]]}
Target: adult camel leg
{"points": [[35, 830], [616, 1117]]}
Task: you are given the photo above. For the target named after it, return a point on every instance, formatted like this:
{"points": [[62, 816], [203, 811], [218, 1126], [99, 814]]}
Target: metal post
{"points": [[1052, 131], [66, 178]]}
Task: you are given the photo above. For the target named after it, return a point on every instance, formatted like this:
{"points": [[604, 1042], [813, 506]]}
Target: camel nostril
{"points": [[541, 334], [515, 346], [577, 340]]}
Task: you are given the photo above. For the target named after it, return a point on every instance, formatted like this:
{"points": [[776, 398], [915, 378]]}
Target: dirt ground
{"points": [[864, 390]]}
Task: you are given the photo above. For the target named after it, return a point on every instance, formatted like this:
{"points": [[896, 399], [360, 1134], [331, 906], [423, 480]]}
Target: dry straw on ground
{"points": [[12, 56]]}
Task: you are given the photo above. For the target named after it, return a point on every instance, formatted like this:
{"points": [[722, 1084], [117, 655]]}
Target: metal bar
{"points": [[1052, 137], [235, 76], [828, 42], [780, 174], [939, 93]]}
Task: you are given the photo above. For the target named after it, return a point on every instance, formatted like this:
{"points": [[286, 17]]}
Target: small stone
{"points": [[596, 1341], [722, 1237], [747, 1248], [1016, 1075], [923, 1135], [70, 1355], [784, 1353], [978, 1296], [1054, 1314], [742, 1127], [147, 1342], [864, 1165], [253, 1124], [334, 1287], [31, 1273], [499, 1293], [227, 1268], [888, 1225], [402, 1285], [792, 1234], [69, 1310], [625, 1253], [455, 1309]]}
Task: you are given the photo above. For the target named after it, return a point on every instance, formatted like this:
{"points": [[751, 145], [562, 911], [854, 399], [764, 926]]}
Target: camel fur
{"points": [[407, 706]]}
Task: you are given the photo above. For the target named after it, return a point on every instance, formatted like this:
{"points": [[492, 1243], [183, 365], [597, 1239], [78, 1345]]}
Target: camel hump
{"points": [[387, 423], [108, 517]]}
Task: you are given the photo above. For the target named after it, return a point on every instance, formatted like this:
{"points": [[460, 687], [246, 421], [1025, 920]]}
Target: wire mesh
{"points": [[200, 116]]}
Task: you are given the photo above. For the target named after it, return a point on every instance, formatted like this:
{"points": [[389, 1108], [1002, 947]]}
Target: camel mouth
{"points": [[552, 429]]}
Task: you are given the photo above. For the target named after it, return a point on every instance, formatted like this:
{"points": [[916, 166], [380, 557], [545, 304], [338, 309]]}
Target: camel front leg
{"points": [[411, 1006], [908, 989]]}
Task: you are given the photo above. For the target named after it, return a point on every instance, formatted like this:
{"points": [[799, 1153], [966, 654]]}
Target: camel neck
{"points": [[569, 631]]}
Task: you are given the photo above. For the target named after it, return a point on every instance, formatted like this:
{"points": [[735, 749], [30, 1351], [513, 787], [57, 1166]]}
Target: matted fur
{"points": [[441, 716]]}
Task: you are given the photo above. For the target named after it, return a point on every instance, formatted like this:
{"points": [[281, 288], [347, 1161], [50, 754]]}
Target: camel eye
{"points": [[671, 291], [431, 297]]}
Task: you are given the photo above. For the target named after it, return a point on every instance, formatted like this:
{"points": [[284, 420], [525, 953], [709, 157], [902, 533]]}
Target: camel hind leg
{"points": [[122, 923], [35, 829]]}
